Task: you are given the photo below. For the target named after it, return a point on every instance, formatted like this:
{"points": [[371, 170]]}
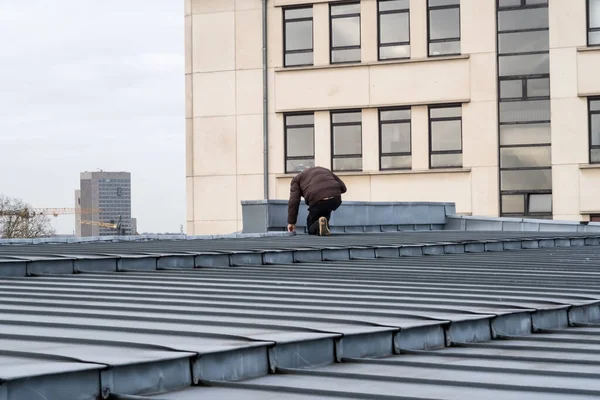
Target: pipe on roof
{"points": [[265, 101]]}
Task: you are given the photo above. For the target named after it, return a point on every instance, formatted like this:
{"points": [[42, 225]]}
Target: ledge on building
{"points": [[373, 63], [588, 48], [391, 172], [478, 223], [589, 166]]}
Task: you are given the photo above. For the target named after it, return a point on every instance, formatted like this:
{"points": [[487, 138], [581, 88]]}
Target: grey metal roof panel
{"points": [[443, 374], [107, 355], [283, 243], [13, 367]]}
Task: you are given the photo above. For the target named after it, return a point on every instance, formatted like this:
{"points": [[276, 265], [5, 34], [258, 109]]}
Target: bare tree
{"points": [[16, 220]]}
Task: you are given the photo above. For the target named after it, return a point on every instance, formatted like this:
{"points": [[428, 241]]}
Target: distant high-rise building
{"points": [[110, 192]]}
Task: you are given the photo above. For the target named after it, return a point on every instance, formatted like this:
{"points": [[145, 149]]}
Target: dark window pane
{"points": [[300, 142], [436, 3], [540, 203], [393, 28], [298, 35], [347, 164], [511, 89], [509, 3], [525, 111], [594, 13], [390, 52], [347, 140], [594, 38], [346, 32], [537, 179], [595, 156], [345, 9], [531, 64], [299, 59], [538, 87], [513, 204], [446, 135], [443, 24], [396, 162], [442, 48], [523, 42], [299, 165], [346, 117], [520, 157], [595, 105], [535, 2], [338, 56], [298, 13], [395, 138], [446, 160], [524, 134], [394, 115], [390, 5], [522, 19], [304, 119], [595, 128], [445, 112]]}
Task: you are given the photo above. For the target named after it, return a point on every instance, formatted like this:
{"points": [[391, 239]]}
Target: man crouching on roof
{"points": [[322, 191]]}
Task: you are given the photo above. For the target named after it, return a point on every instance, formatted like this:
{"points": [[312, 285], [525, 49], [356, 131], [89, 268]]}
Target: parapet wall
{"points": [[352, 216]]}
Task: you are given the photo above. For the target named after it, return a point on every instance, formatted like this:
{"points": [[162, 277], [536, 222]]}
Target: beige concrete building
{"points": [[487, 103]]}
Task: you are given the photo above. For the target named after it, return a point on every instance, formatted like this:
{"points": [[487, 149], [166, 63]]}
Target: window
{"points": [[445, 136], [394, 139], [443, 20], [344, 32], [346, 140], [593, 22], [298, 36], [299, 142], [594, 131], [394, 29], [524, 108]]}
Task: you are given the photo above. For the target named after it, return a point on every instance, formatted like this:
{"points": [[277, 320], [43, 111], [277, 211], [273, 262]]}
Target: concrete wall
{"points": [[224, 106]]}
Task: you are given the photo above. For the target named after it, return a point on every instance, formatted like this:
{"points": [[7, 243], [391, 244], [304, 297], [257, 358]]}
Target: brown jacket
{"points": [[314, 184]]}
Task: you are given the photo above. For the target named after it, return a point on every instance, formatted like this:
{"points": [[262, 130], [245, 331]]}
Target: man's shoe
{"points": [[323, 227]]}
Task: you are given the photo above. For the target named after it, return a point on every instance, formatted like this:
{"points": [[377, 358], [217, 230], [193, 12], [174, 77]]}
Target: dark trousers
{"points": [[320, 209]]}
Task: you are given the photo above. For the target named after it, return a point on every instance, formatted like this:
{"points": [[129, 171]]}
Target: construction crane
{"points": [[100, 224], [55, 212], [116, 226]]}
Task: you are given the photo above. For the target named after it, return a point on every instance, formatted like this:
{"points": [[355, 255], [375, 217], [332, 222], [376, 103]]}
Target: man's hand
{"points": [[291, 228]]}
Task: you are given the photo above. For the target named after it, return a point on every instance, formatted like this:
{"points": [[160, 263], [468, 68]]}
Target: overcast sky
{"points": [[89, 85]]}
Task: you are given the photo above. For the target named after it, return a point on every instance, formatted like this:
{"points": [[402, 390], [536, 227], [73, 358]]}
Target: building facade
{"points": [[492, 104], [109, 194]]}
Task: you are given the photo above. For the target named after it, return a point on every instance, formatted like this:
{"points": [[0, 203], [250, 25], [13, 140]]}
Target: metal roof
{"points": [[21, 260], [447, 326]]}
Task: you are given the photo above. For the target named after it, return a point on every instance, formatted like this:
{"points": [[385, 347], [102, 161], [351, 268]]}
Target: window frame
{"points": [[390, 122], [333, 156], [590, 114], [589, 28], [430, 120], [445, 40], [393, 44], [524, 78], [304, 19], [353, 15], [285, 139]]}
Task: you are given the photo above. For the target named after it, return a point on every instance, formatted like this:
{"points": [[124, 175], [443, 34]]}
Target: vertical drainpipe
{"points": [[265, 61], [265, 101]]}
